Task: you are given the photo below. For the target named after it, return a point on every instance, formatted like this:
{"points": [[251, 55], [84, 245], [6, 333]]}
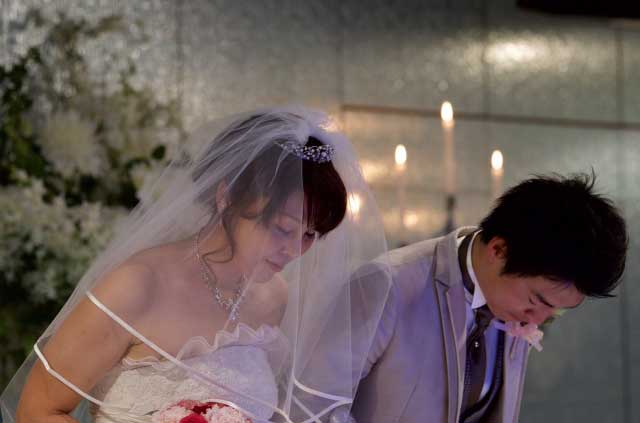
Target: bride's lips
{"points": [[276, 267]]}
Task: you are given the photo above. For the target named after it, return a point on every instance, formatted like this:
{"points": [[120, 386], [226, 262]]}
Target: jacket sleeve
{"points": [[372, 327]]}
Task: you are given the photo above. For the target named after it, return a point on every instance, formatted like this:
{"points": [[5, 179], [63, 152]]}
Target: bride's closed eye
{"points": [[283, 230]]}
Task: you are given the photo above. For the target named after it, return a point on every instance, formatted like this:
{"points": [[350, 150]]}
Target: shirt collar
{"points": [[478, 297]]}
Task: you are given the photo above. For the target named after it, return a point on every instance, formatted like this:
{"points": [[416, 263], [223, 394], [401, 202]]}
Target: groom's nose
{"points": [[537, 315]]}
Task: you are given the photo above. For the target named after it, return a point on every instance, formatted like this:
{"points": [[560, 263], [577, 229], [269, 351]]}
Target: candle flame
{"points": [[446, 112], [401, 155], [497, 161]]}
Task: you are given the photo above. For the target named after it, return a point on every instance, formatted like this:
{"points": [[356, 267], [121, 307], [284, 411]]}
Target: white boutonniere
{"points": [[529, 332]]}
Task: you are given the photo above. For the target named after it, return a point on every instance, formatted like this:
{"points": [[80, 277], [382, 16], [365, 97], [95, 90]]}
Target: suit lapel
{"points": [[516, 352], [451, 302]]}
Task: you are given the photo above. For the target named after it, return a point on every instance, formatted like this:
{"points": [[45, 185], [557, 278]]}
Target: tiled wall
{"points": [[520, 70]]}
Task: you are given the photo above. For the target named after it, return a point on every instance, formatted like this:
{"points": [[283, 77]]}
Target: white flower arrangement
{"points": [[58, 241], [68, 141]]}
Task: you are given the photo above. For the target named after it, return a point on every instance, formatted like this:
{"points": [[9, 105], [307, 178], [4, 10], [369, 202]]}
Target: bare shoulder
{"points": [[130, 289]]}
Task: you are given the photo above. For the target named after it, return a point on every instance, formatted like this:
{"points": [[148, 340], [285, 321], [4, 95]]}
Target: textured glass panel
{"points": [[414, 198], [629, 174], [560, 411], [571, 367], [243, 55], [473, 146], [412, 54], [580, 368], [631, 292], [375, 137], [630, 165], [471, 209], [420, 216], [631, 82], [550, 66], [529, 149], [416, 190]]}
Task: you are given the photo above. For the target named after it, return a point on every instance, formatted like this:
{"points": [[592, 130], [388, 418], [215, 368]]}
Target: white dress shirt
{"points": [[491, 334]]}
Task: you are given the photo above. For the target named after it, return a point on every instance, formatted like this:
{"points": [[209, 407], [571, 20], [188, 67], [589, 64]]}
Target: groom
{"points": [[548, 243]]}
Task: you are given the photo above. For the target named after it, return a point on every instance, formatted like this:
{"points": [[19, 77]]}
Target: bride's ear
{"points": [[221, 197]]}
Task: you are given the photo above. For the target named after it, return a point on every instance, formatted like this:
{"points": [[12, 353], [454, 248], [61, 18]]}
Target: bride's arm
{"points": [[87, 345]]}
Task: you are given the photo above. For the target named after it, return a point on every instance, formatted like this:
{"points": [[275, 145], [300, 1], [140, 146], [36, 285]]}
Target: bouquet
{"points": [[189, 411]]}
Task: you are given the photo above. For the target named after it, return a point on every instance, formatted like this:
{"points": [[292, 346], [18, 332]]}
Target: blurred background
{"points": [[448, 103]]}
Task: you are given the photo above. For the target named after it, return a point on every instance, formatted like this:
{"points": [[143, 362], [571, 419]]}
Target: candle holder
{"points": [[450, 208]]}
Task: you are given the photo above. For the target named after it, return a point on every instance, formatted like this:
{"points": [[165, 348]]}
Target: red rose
{"points": [[193, 418], [202, 408]]}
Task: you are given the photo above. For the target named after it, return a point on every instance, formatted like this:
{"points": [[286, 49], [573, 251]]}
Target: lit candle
{"points": [[401, 157], [446, 114], [401, 166], [497, 170]]}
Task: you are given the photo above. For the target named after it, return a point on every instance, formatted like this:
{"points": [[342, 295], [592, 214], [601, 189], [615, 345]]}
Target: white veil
{"points": [[249, 168]]}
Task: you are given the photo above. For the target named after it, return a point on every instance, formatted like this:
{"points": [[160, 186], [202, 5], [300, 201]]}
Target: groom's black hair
{"points": [[559, 228]]}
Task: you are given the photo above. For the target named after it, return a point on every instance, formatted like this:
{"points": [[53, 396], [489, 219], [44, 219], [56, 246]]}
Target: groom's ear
{"points": [[497, 249]]}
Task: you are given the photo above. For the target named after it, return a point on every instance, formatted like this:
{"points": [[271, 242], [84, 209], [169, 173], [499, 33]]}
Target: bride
{"points": [[230, 283]]}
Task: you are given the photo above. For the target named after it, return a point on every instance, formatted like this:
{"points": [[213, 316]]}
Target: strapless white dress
{"points": [[243, 361]]}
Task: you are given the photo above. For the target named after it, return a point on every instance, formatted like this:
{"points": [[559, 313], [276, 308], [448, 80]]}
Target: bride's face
{"points": [[265, 248]]}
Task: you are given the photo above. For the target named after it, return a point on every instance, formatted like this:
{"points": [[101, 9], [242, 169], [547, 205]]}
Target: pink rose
{"points": [[188, 404], [170, 414]]}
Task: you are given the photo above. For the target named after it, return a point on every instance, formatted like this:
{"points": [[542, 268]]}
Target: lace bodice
{"points": [[244, 361]]}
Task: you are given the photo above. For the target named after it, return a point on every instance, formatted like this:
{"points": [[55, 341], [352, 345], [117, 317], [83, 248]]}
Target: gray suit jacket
{"points": [[415, 368]]}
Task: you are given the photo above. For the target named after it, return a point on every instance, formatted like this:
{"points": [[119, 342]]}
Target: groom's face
{"points": [[530, 299]]}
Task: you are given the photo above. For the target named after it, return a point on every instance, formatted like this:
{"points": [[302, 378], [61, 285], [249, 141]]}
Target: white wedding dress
{"points": [[243, 361]]}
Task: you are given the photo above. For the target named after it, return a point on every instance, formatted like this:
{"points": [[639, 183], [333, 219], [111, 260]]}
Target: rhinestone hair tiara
{"points": [[315, 153]]}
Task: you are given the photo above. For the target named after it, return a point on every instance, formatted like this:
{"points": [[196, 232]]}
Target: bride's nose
{"points": [[291, 249]]}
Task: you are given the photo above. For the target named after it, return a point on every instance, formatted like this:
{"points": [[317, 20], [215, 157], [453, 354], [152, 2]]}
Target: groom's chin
{"points": [[503, 315], [510, 317]]}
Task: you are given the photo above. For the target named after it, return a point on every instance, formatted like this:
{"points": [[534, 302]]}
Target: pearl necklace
{"points": [[232, 305]]}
